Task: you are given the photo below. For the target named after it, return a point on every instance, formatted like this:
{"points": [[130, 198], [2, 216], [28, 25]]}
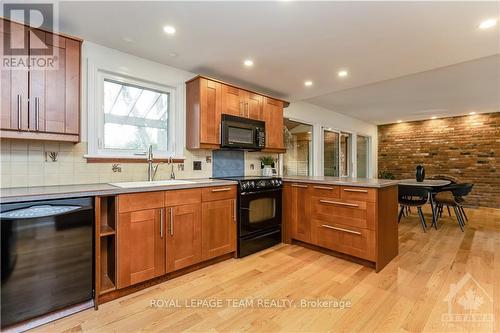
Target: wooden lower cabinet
{"points": [[165, 231], [218, 228], [141, 246], [360, 222], [184, 236]]}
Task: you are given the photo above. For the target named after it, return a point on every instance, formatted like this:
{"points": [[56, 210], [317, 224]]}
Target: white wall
{"points": [[320, 117]]}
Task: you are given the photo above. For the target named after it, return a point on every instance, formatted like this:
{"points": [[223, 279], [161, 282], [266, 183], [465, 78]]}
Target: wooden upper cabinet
{"points": [[273, 116], [218, 228], [14, 83], [184, 236], [233, 101], [203, 113], [140, 246], [46, 103], [207, 99]]}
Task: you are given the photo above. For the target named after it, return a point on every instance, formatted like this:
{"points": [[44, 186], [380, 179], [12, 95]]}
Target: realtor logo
{"points": [[468, 302], [29, 47]]}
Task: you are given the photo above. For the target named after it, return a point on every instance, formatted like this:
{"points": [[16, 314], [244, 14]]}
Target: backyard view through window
{"points": [[135, 117]]}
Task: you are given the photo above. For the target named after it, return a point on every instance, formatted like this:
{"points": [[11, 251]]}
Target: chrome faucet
{"points": [[171, 162]]}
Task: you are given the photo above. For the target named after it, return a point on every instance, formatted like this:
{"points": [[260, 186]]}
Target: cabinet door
{"points": [[273, 116], [232, 101], [211, 104], [141, 246], [253, 105], [184, 236], [14, 83], [301, 212], [219, 228], [55, 91]]}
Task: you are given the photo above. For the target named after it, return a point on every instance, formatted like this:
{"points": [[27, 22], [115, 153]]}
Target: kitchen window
{"points": [[298, 142], [130, 115]]}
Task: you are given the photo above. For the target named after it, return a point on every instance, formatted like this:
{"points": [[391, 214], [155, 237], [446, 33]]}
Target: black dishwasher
{"points": [[47, 257]]}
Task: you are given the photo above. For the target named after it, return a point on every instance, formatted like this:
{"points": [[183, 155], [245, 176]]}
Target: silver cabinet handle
{"points": [[171, 221], [234, 210], [221, 189], [353, 190], [37, 113], [341, 229], [18, 111], [323, 187], [161, 223], [301, 186], [248, 110], [338, 203]]}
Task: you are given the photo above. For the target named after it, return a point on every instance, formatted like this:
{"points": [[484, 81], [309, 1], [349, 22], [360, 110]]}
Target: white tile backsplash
{"points": [[23, 164]]}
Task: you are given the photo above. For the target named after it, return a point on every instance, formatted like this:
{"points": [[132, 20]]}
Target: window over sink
{"points": [[129, 115]]}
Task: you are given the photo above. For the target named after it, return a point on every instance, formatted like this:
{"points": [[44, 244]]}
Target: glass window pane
{"points": [[298, 143], [134, 117], [330, 153], [345, 154], [362, 153]]}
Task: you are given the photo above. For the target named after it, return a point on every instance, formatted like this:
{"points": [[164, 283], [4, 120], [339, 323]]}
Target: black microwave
{"points": [[242, 133]]}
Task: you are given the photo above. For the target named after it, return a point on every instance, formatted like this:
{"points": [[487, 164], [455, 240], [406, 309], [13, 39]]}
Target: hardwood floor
{"points": [[406, 296]]}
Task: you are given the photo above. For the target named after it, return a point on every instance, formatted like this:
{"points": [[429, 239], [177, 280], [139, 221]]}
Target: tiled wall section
{"points": [[23, 164], [464, 147]]}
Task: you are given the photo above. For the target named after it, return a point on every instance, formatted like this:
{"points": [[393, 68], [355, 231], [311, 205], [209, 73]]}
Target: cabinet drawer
{"points": [[320, 190], [358, 214], [218, 193], [354, 241], [139, 201], [358, 193], [182, 197]]}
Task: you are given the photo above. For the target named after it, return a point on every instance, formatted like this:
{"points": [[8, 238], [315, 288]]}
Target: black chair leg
{"points": [[459, 217], [401, 212], [448, 207], [422, 218], [463, 212]]}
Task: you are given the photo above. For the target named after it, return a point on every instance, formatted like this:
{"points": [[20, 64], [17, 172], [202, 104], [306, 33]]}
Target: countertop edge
{"points": [[340, 182], [112, 190]]}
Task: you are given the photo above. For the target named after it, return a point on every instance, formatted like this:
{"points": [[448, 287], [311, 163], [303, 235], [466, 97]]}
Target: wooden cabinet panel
{"points": [[358, 193], [211, 104], [330, 191], [252, 105], [352, 213], [301, 212], [354, 241], [232, 101], [273, 116], [218, 193], [14, 83], [184, 236], [182, 197], [55, 102], [140, 247], [138, 201], [218, 228]]}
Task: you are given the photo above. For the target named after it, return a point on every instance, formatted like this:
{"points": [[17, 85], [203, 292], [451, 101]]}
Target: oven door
{"points": [[259, 211]]}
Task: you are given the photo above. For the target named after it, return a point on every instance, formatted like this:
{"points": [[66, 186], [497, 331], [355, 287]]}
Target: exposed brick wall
{"points": [[465, 147]]}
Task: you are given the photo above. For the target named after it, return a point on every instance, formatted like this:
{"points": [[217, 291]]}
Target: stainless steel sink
{"points": [[153, 183]]}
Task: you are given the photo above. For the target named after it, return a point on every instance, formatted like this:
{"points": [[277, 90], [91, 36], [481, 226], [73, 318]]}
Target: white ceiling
{"points": [[291, 42]]}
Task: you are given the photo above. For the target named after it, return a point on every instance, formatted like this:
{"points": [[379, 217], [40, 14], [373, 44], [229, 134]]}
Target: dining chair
{"points": [[413, 196], [455, 200]]}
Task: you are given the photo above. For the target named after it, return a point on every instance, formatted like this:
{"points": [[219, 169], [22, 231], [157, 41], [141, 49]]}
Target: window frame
{"points": [[312, 163], [96, 118], [368, 153]]}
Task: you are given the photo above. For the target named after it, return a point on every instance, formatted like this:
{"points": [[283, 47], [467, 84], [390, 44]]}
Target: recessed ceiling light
{"points": [[308, 83], [309, 132], [248, 62], [486, 24], [472, 113], [169, 29], [400, 121], [342, 73], [433, 117]]}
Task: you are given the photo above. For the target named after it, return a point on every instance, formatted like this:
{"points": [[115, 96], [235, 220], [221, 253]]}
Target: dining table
{"points": [[435, 184]]}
